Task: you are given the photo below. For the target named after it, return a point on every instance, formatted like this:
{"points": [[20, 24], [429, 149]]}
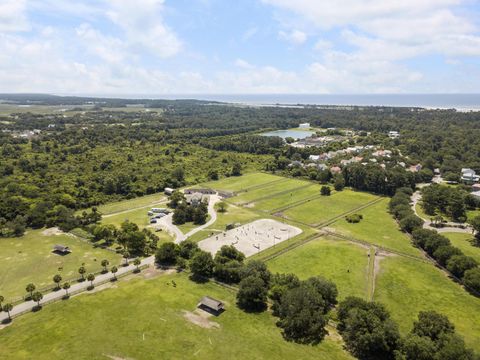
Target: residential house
{"points": [[469, 176], [393, 134]]}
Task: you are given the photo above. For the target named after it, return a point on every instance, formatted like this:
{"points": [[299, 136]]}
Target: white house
{"points": [[469, 176], [314, 157], [304, 126], [393, 134]]}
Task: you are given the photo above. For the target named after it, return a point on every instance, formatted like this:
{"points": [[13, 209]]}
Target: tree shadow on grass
{"points": [[37, 308], [198, 279]]}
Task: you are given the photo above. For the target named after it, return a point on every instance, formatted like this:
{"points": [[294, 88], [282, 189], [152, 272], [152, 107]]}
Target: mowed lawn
{"points": [[377, 227], [239, 183], [324, 208], [143, 201], [465, 243], [407, 287], [269, 190], [144, 319], [30, 259], [286, 199], [342, 262], [137, 216]]}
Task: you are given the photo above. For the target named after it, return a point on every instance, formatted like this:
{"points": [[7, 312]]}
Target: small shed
{"points": [[168, 191], [61, 249], [211, 305]]}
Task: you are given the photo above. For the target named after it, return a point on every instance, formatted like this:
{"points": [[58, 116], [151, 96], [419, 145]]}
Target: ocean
{"points": [[461, 102]]}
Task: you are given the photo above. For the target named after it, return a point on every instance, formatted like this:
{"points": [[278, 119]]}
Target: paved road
{"points": [[75, 288], [166, 221], [214, 199], [448, 226]]}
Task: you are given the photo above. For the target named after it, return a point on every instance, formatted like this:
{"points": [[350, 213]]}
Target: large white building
{"points": [[469, 176], [304, 126]]}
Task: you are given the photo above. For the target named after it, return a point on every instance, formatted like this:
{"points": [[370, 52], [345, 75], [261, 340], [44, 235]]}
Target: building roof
{"points": [[61, 248], [211, 303]]}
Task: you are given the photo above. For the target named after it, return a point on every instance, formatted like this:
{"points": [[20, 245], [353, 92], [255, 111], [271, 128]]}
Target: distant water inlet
{"points": [[296, 134]]}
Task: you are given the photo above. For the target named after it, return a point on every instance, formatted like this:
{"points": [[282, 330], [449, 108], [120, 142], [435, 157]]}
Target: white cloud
{"points": [[13, 16], [295, 37], [243, 64], [143, 25]]}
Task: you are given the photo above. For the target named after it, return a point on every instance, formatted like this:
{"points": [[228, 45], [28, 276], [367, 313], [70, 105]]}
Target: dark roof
{"points": [[61, 248], [211, 303], [201, 191]]}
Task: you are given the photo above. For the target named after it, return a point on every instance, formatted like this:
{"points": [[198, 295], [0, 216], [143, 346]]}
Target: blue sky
{"points": [[249, 46]]}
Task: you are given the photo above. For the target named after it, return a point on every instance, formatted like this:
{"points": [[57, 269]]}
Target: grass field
{"points": [[30, 259], [464, 243], [269, 190], [239, 183], [407, 286], [140, 202], [287, 199], [340, 261], [377, 227], [327, 207], [145, 320], [137, 216]]}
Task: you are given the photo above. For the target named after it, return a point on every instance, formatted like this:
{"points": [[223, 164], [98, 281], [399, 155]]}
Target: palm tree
{"points": [[91, 277], [37, 296], [114, 270], [82, 272], [30, 288], [105, 263], [137, 263], [126, 255], [7, 308], [57, 279], [65, 287]]}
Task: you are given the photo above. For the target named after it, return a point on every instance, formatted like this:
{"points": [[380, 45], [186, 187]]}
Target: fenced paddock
{"points": [[252, 238]]}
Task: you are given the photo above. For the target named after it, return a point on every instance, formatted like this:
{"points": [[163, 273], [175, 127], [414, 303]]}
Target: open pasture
{"points": [[270, 191], [29, 259], [340, 261], [407, 287], [465, 243], [378, 228], [286, 199], [152, 319], [131, 204], [324, 208], [251, 238], [240, 183]]}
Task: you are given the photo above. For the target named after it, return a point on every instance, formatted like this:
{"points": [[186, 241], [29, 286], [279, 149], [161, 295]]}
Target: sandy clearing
{"points": [[251, 238]]}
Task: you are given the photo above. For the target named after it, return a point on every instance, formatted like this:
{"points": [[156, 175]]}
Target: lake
{"points": [[296, 134]]}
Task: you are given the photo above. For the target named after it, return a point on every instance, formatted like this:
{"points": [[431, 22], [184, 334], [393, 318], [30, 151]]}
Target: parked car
{"points": [[153, 221], [159, 216]]}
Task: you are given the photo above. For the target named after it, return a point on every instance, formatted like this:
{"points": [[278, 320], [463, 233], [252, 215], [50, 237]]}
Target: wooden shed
{"points": [[211, 305], [61, 249]]}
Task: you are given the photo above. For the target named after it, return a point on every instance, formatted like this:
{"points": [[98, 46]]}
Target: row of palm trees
{"points": [[37, 296]]}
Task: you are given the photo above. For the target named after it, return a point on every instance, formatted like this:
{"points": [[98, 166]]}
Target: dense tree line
{"points": [[450, 201], [371, 334], [434, 244]]}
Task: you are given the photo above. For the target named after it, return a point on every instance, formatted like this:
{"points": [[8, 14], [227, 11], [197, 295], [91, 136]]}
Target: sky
{"points": [[239, 47]]}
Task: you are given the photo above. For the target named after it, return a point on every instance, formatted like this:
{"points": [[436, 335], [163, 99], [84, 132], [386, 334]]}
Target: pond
{"points": [[296, 134]]}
